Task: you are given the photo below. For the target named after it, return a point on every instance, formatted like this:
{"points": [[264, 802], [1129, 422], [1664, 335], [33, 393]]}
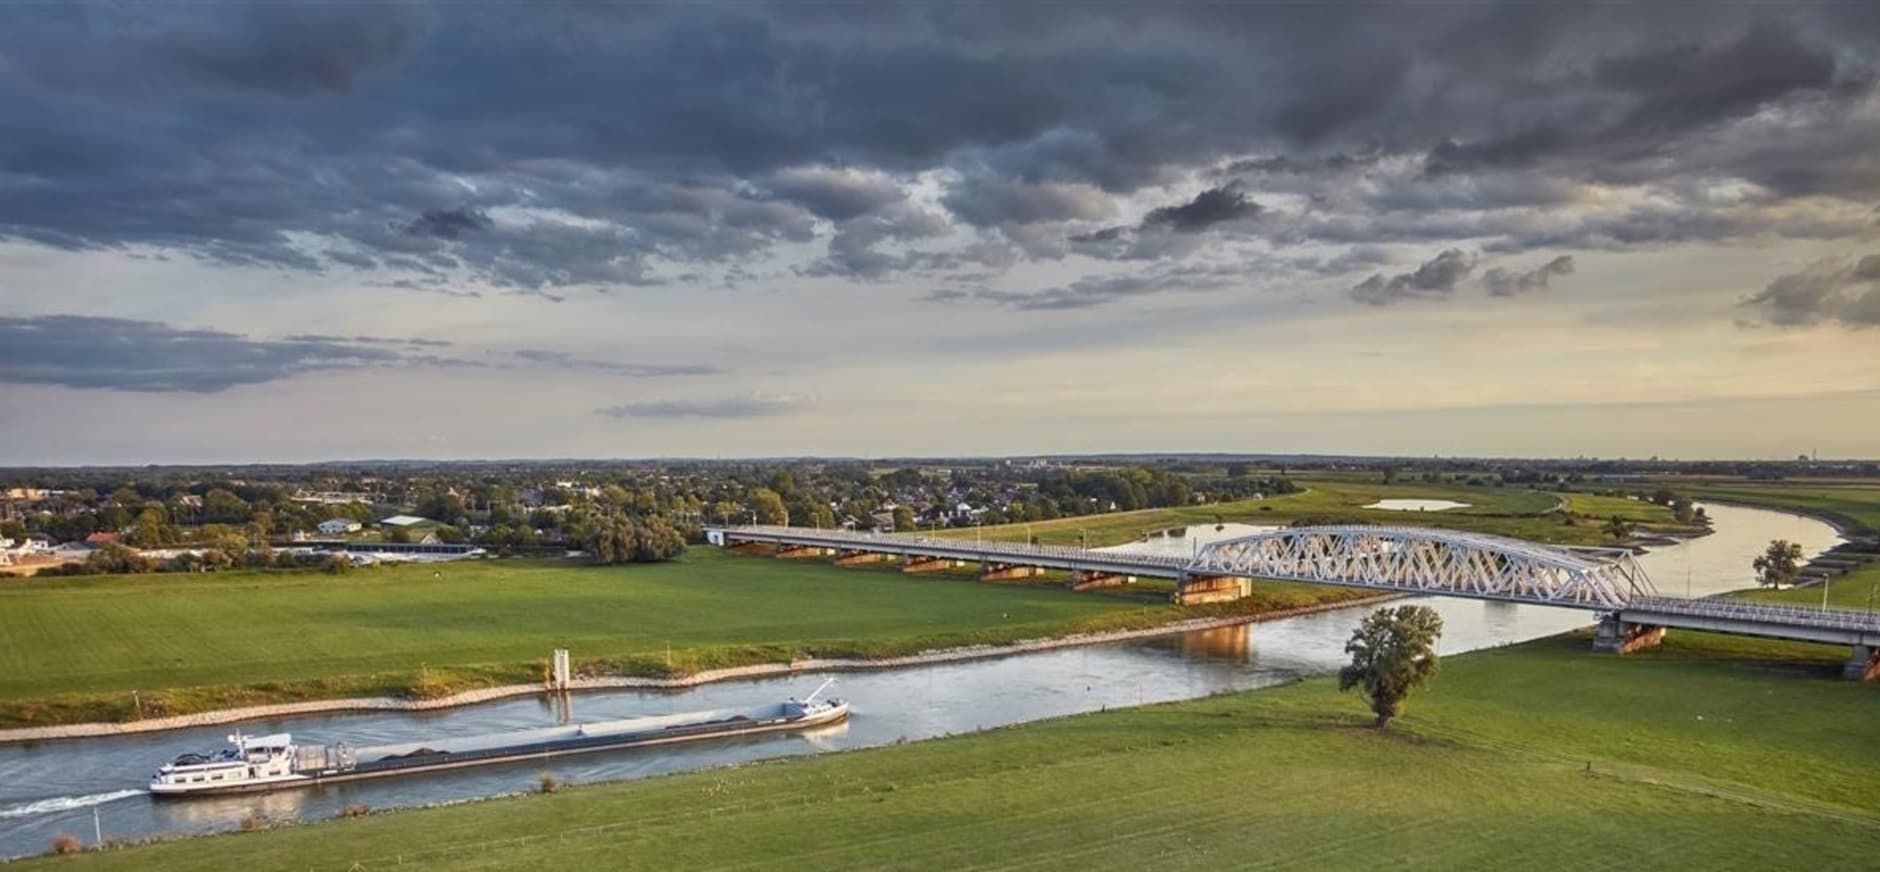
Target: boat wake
{"points": [[65, 803]]}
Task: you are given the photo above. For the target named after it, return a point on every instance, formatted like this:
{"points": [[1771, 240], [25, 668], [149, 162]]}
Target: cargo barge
{"points": [[260, 763]]}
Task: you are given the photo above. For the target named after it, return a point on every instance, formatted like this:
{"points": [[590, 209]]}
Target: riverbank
{"points": [[732, 673], [1700, 756]]}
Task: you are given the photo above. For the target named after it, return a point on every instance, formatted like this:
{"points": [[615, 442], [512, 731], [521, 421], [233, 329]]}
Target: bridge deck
{"points": [[1018, 553], [1368, 548]]}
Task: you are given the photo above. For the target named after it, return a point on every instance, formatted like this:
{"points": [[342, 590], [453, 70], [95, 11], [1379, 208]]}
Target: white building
{"points": [[338, 526]]}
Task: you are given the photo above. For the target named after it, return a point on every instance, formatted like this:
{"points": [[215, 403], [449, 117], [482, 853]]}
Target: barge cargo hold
{"points": [[260, 763]]}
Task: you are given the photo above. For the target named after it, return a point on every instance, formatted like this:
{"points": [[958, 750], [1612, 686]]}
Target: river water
{"points": [[47, 788]]}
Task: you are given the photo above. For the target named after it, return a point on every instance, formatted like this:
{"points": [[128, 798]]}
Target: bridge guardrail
{"points": [[1770, 613]]}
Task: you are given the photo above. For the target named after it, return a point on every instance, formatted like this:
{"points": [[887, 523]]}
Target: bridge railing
{"points": [[1768, 613], [987, 547]]}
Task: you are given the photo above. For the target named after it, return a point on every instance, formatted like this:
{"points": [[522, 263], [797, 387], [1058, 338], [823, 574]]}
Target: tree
{"points": [[1778, 564], [1683, 510], [1618, 528], [903, 519], [1392, 653], [769, 507]]}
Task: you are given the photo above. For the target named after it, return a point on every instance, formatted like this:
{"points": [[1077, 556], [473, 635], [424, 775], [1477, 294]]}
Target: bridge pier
{"points": [[798, 552], [1193, 590], [745, 547], [929, 564], [989, 571], [1864, 665], [1090, 579], [1617, 636], [857, 558]]}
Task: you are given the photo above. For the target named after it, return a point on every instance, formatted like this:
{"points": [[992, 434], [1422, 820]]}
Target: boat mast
{"points": [[819, 689]]}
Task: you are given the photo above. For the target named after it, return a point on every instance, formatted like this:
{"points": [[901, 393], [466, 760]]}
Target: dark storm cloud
{"points": [[1210, 207], [564, 360], [1502, 282], [754, 406], [448, 223], [1435, 279], [541, 147], [1656, 94], [1827, 291], [116, 353]]}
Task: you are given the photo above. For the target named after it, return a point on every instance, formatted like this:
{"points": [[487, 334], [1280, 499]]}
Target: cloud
{"points": [[752, 406], [989, 202], [564, 360], [1094, 291], [1435, 279], [448, 223], [455, 146], [1504, 283], [1834, 290], [369, 340], [836, 194], [1210, 207], [79, 351]]}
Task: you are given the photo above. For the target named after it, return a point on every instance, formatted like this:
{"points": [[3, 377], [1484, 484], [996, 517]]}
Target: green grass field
{"points": [[1854, 504], [1540, 756], [1526, 514], [73, 650]]}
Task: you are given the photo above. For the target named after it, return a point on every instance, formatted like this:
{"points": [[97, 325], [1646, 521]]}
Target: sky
{"points": [[276, 231]]}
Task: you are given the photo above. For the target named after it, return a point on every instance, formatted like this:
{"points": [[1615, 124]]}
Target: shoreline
{"points": [[95, 729], [1847, 529]]}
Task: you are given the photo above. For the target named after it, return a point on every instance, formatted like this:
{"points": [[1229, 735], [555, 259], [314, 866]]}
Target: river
{"points": [[47, 788]]}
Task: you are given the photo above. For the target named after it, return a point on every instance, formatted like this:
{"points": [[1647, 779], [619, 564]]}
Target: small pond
{"points": [[1416, 505]]}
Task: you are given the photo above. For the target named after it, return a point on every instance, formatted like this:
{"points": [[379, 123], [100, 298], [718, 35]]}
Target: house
{"points": [[101, 538], [405, 521], [338, 526]]}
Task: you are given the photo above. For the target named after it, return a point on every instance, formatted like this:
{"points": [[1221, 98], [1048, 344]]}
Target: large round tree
{"points": [[1392, 653]]}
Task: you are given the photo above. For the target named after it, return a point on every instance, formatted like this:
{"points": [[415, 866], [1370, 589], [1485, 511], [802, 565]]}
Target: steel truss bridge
{"points": [[1415, 560]]}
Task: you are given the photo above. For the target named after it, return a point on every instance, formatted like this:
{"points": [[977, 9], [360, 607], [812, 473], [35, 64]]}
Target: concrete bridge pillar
{"points": [[1617, 636], [798, 552], [929, 564], [857, 558], [990, 571], [1090, 579], [1193, 590], [1864, 665]]}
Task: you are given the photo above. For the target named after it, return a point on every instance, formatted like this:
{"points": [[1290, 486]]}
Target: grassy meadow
{"points": [[1855, 505], [1538, 756], [74, 649], [1508, 511]]}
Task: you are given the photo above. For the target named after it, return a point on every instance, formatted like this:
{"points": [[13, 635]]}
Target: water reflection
{"points": [[52, 787]]}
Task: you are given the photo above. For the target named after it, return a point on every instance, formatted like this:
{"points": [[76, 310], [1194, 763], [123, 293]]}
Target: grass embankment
{"points": [[1517, 512], [73, 650], [1854, 505], [1535, 757]]}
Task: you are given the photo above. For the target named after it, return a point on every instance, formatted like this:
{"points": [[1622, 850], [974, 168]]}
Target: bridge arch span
{"points": [[1431, 561]]}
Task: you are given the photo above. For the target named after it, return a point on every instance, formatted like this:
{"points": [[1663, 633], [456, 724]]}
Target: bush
{"points": [[66, 843], [254, 820], [356, 810], [547, 782]]}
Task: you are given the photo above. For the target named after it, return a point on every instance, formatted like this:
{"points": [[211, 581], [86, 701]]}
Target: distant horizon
{"points": [[1145, 456]]}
